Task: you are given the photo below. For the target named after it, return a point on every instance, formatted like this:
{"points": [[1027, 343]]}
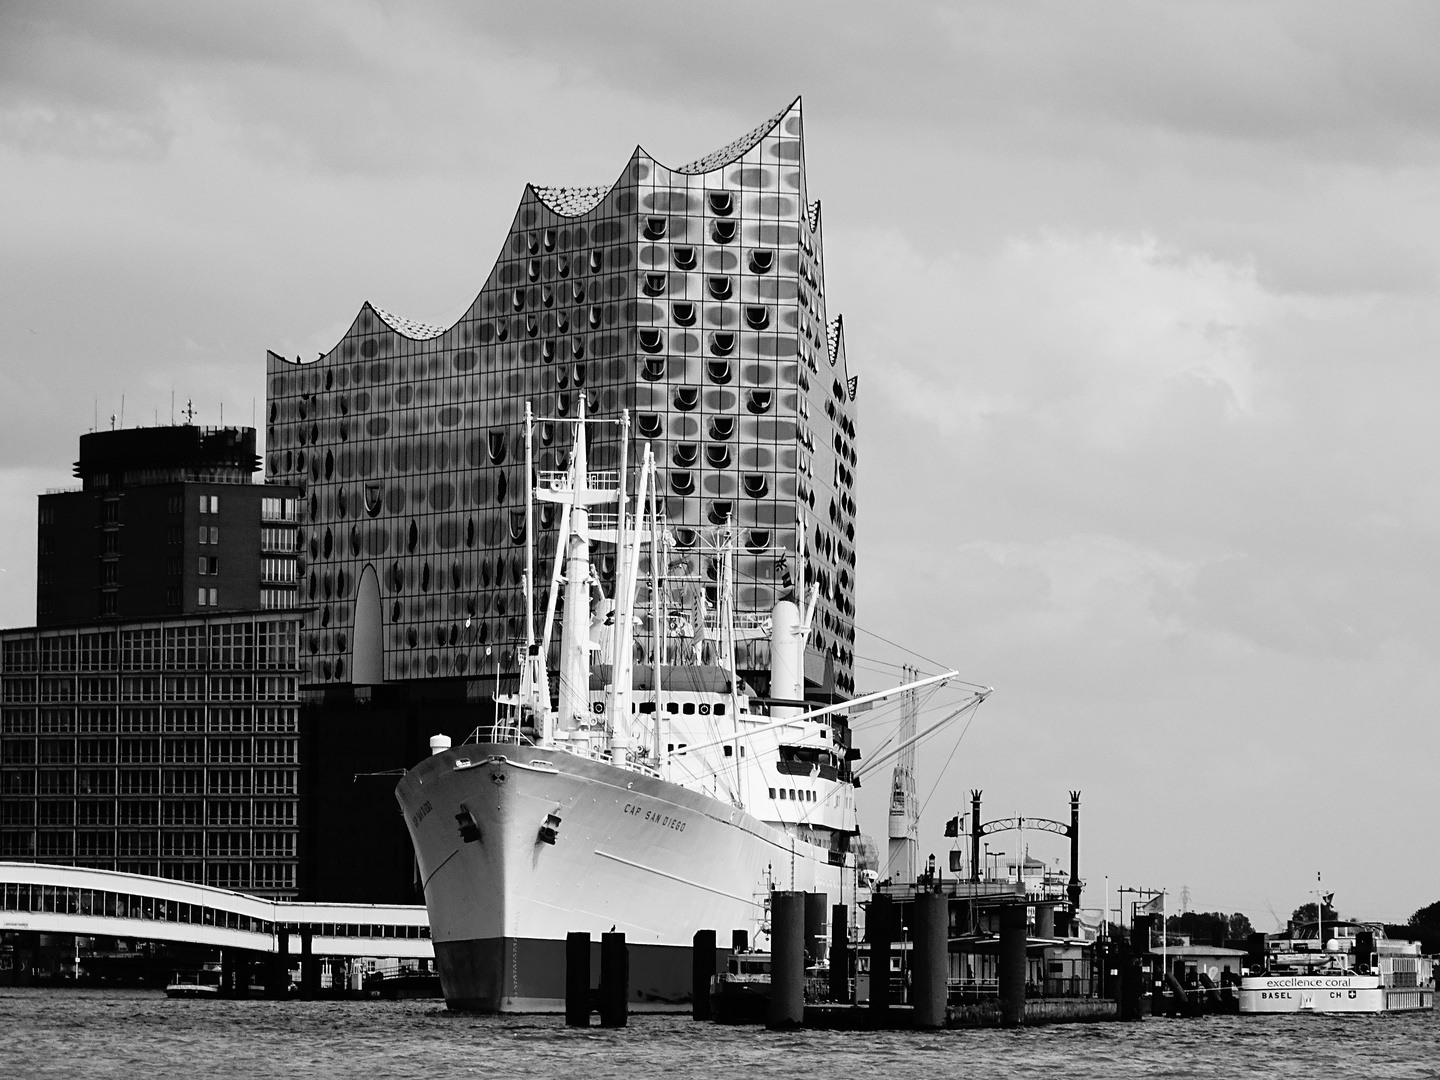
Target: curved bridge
{"points": [[73, 900]]}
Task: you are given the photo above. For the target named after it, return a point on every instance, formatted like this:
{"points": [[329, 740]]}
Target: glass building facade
{"points": [[694, 297]]}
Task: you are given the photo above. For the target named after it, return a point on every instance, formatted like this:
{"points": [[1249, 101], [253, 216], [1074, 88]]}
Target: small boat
{"points": [[1340, 967], [189, 984], [741, 993]]}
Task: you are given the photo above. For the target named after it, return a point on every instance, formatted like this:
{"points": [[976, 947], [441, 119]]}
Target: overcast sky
{"points": [[1142, 298]]}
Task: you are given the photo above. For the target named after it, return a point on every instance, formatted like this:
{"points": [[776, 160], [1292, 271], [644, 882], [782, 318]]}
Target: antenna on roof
{"points": [[189, 412]]}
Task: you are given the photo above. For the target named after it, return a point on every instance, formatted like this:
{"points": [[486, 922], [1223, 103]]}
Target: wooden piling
{"points": [[787, 961], [1011, 964], [840, 954], [702, 967], [930, 971], [614, 981], [577, 979]]}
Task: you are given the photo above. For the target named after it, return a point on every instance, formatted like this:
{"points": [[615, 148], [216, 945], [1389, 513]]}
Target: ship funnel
{"points": [[439, 744], [787, 679]]}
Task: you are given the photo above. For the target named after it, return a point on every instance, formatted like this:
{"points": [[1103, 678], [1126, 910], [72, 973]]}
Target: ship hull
{"points": [[518, 847], [1329, 994]]}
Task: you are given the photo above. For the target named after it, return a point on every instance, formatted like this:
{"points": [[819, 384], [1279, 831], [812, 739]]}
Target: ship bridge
{"points": [[73, 900]]}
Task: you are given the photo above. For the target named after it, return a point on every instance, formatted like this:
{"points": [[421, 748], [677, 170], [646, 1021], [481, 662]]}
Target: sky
{"points": [[1141, 297]]}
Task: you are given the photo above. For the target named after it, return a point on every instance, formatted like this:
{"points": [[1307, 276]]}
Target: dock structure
{"points": [[38, 899]]}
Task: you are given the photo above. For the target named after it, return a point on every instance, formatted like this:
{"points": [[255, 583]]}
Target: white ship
{"points": [[655, 802], [1339, 967]]}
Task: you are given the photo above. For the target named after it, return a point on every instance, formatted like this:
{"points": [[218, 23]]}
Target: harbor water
{"points": [[78, 1033]]}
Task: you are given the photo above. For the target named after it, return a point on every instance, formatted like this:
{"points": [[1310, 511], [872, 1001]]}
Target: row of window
{"points": [[24, 690], [142, 845], [130, 751], [795, 794], [195, 719], [269, 643], [112, 781], [57, 899], [151, 813]]}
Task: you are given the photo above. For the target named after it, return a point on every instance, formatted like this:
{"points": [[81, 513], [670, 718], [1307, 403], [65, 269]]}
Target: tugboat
{"points": [[1339, 966]]}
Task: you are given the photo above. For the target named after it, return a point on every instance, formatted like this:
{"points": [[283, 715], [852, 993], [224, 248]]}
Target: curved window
{"points": [[687, 397], [719, 287], [532, 269], [722, 427], [470, 531], [718, 370], [654, 284], [683, 313], [577, 375], [684, 258], [425, 578], [721, 203], [547, 296], [760, 400], [719, 512], [372, 499], [648, 424], [548, 239], [654, 228], [651, 339], [517, 527], [682, 482], [717, 456], [413, 537], [547, 434], [547, 351], [761, 261], [654, 368], [686, 538], [756, 486], [594, 316], [577, 292], [502, 330], [722, 342], [532, 244], [758, 540], [532, 326], [597, 260], [757, 318], [722, 232], [517, 299], [562, 267], [577, 348], [562, 404], [685, 455], [495, 446]]}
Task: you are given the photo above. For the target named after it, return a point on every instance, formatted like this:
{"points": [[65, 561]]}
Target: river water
{"points": [[78, 1033]]}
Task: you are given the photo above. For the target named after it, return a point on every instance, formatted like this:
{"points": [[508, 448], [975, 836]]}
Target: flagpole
{"points": [[1164, 936]]}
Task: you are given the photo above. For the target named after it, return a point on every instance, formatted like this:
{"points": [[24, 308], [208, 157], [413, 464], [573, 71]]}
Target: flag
{"points": [[1329, 899], [952, 827], [1155, 906]]}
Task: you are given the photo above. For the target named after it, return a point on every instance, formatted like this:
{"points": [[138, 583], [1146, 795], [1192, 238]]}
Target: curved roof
{"points": [[411, 329], [571, 201], [726, 154]]}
